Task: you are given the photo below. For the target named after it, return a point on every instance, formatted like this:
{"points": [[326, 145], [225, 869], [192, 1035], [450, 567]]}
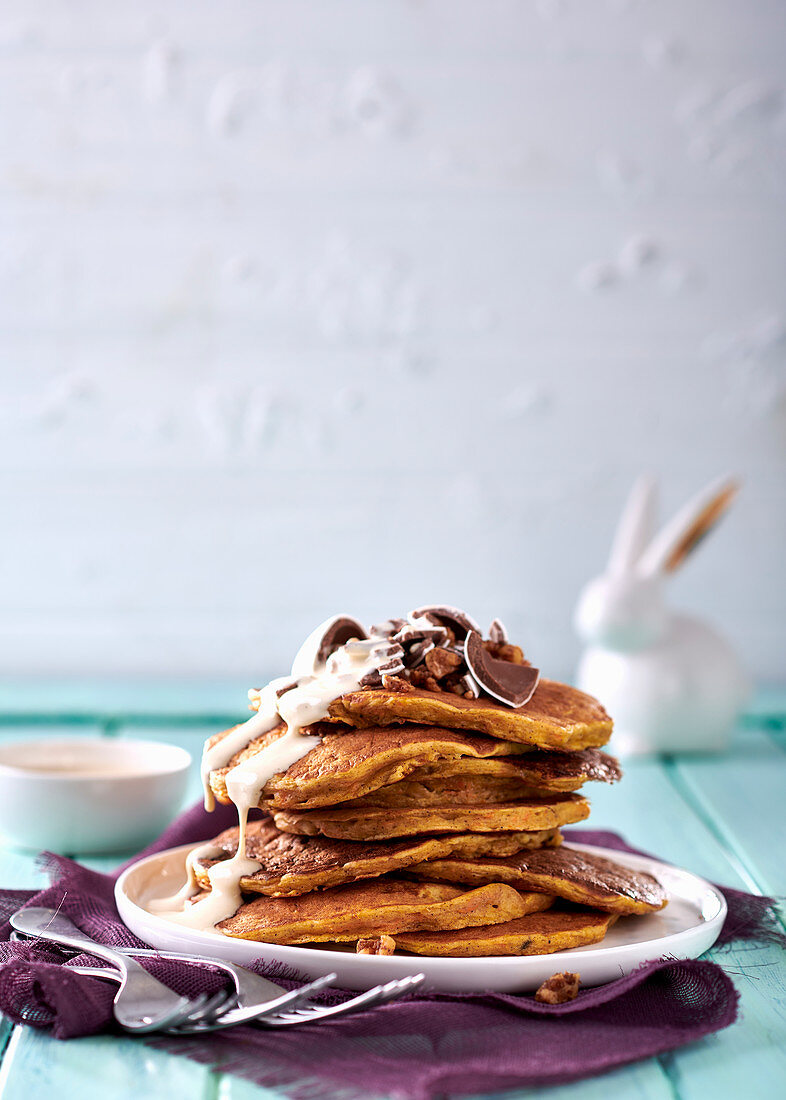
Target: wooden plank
{"points": [[741, 796], [37, 1067], [653, 815], [719, 793], [767, 708], [75, 701], [661, 815], [751, 1054]]}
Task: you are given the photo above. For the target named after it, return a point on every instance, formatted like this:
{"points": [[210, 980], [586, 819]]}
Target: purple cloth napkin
{"points": [[421, 1047]]}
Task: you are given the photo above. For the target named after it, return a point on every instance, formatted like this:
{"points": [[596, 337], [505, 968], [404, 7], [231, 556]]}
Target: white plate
{"points": [[685, 929]]}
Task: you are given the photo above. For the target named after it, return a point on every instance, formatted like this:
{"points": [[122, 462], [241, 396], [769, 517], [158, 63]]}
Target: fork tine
{"points": [[213, 1008], [380, 994], [180, 1012], [255, 1013]]}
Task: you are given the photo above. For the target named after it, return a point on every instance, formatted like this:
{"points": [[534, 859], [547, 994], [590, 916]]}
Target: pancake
{"points": [[385, 906], [535, 774], [296, 864], [556, 717], [560, 772], [538, 934], [350, 763], [470, 790], [382, 823], [568, 873]]}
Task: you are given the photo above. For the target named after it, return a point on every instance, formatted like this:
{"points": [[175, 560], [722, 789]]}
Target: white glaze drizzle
{"points": [[301, 705], [240, 737]]}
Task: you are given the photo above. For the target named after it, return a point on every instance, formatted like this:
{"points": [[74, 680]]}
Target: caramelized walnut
{"points": [[397, 683], [504, 651], [558, 989], [422, 678], [376, 945], [441, 662]]}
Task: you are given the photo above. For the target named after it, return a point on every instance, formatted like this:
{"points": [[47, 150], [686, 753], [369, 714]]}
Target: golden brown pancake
{"points": [[381, 823], [384, 906], [297, 864], [350, 763], [561, 772], [470, 790], [465, 781], [538, 934], [556, 717], [568, 873]]}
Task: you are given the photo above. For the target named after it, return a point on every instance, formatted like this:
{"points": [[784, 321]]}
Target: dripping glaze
{"points": [[296, 701]]}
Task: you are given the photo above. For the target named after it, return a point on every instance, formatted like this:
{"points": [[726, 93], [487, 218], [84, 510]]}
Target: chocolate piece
{"points": [[416, 651], [511, 684], [497, 632], [427, 629], [339, 631], [376, 677], [471, 689], [388, 628], [451, 617], [558, 989]]}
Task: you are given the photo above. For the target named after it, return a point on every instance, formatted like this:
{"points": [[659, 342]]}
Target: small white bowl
{"points": [[89, 794]]}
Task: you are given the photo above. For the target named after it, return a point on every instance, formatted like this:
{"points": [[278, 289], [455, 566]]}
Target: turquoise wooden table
{"points": [[721, 817]]}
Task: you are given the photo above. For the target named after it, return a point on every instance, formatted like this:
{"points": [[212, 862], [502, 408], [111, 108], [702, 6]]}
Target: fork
{"points": [[305, 1014], [142, 1003], [251, 991], [308, 1014]]}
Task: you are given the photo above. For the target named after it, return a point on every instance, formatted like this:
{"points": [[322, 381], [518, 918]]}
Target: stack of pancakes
{"points": [[427, 816]]}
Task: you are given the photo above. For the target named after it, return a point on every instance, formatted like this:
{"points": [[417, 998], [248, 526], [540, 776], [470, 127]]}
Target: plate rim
{"points": [[660, 945]]}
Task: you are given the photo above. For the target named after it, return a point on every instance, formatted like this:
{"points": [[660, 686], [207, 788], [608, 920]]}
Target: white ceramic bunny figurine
{"points": [[671, 683]]}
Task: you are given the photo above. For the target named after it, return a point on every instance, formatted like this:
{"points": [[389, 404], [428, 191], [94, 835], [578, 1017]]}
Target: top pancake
{"points": [[556, 717], [349, 763]]}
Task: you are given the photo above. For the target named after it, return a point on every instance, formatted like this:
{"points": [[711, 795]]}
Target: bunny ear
{"points": [[636, 526], [684, 533]]}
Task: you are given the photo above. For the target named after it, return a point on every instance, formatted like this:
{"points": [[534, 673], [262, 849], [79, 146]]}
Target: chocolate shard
{"points": [[424, 628], [510, 684], [323, 641], [416, 651], [497, 632], [340, 631], [388, 628], [451, 617]]}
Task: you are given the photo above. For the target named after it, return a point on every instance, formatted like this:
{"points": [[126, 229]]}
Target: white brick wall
{"points": [[352, 304]]}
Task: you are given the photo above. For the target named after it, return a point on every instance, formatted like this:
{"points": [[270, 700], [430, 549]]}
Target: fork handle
{"points": [[49, 924]]}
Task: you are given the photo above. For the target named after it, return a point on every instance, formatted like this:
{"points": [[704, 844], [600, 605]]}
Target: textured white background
{"points": [[354, 304]]}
